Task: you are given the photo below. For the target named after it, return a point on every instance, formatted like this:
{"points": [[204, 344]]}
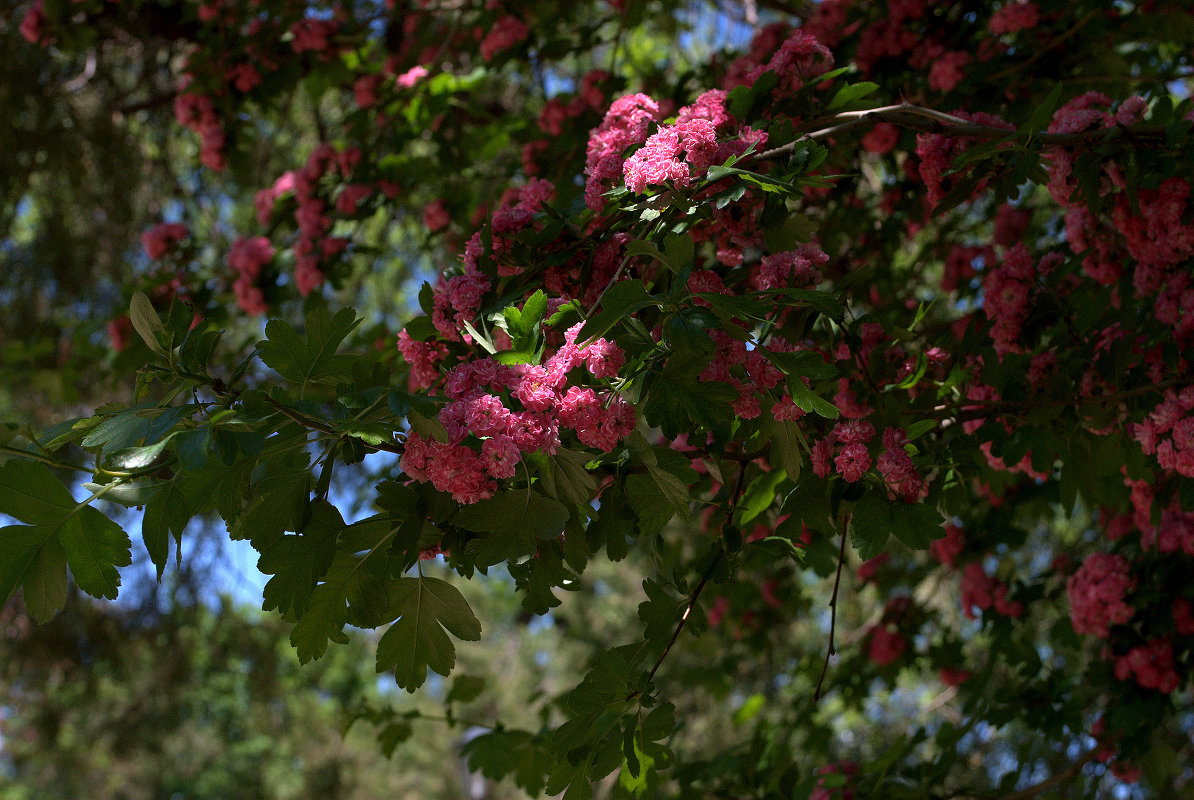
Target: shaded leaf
{"points": [[427, 607]]}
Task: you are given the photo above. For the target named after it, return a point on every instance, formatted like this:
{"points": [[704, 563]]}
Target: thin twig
{"points": [[696, 593], [612, 281], [928, 120], [830, 651], [1069, 773], [316, 425], [1041, 51]]}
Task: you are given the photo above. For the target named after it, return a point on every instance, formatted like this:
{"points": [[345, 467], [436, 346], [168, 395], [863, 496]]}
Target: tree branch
{"points": [[928, 120], [830, 652]]}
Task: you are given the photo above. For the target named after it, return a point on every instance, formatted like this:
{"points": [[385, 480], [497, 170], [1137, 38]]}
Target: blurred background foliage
{"points": [[180, 691]]}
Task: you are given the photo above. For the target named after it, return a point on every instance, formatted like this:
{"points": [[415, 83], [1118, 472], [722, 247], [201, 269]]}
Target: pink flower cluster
{"points": [[1015, 15], [947, 71], [881, 139], [246, 257], [791, 269], [505, 33], [1007, 290], [314, 35], [937, 151], [658, 160], [33, 24], [456, 301], [454, 468], [896, 467], [1096, 591], [947, 549], [1183, 616], [314, 222], [843, 792], [852, 460], [751, 373], [799, 58], [625, 124], [1151, 665], [885, 645], [412, 76], [981, 591], [265, 199], [160, 239], [1168, 432], [423, 358], [512, 410], [198, 113]]}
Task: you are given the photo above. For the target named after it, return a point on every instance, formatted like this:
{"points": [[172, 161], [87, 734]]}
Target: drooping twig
{"points": [[830, 651], [696, 593]]}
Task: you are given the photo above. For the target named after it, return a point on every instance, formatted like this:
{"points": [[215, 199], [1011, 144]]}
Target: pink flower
{"points": [[881, 139], [1151, 665], [885, 646], [853, 462], [506, 32], [947, 549], [364, 90], [435, 216], [248, 255], [500, 456], [33, 24], [422, 357], [161, 238], [1016, 15], [408, 79], [953, 677], [536, 389], [947, 72]]}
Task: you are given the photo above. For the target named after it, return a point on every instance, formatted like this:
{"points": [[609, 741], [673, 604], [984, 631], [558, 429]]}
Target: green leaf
{"points": [[679, 399], [91, 544], [850, 94], [621, 300], [417, 640], [759, 496], [465, 689], [165, 513], [141, 425], [764, 182], [672, 472], [679, 248], [786, 446], [809, 401], [148, 324], [297, 562], [824, 302], [95, 546], [874, 517], [30, 492], [311, 357], [504, 753], [616, 519], [279, 503], [519, 511], [32, 558], [564, 477]]}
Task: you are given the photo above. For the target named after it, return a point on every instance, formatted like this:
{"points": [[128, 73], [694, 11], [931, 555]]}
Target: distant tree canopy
{"points": [[856, 336]]}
